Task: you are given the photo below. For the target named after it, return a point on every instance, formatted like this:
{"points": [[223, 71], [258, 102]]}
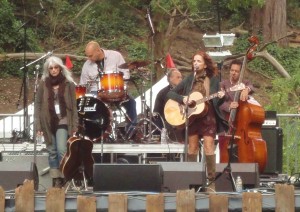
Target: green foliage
{"points": [[137, 51], [12, 31], [287, 57], [237, 4], [293, 16]]}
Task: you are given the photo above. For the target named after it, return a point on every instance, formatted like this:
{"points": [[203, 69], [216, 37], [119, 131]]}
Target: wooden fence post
{"points": [[86, 204], [25, 197], [284, 198], [2, 199], [185, 200], [252, 202], [55, 200], [218, 203], [117, 202], [155, 203]]}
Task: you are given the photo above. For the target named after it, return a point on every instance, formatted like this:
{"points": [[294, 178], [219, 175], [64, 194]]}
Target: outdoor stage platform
{"points": [[143, 178]]}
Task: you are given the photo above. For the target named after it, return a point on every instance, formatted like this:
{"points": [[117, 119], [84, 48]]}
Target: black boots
{"points": [[58, 182]]}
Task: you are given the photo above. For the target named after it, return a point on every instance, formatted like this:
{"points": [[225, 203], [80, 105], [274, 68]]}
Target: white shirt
{"points": [[90, 75]]}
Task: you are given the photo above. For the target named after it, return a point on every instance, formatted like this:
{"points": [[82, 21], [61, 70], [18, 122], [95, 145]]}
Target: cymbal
{"points": [[134, 64]]}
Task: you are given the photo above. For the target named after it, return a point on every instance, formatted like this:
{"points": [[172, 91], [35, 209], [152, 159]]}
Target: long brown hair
{"points": [[211, 68]]}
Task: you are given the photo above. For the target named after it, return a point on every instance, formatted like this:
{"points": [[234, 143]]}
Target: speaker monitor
{"points": [[13, 174], [182, 175], [127, 177], [273, 137], [247, 171], [14, 159]]}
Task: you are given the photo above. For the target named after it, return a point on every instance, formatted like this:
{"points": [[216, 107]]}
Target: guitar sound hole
{"points": [[192, 104]]}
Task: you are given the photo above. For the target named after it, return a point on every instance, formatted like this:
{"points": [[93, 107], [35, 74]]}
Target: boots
{"points": [[58, 182], [211, 172], [192, 158]]}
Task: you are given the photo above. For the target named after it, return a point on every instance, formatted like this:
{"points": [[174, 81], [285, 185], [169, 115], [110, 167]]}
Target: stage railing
{"points": [[12, 127]]}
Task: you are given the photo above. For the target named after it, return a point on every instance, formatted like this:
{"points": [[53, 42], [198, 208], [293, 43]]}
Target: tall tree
{"points": [[271, 21]]}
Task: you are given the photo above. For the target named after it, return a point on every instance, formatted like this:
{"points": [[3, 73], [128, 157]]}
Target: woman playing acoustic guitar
{"points": [[203, 80]]}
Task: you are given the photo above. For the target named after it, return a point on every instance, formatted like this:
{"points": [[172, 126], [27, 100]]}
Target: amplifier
{"points": [[274, 140]]}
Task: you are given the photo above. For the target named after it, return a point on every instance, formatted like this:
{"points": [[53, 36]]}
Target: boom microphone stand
{"points": [[26, 133], [148, 17]]}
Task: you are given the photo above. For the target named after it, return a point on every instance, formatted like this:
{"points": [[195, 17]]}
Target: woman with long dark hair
{"points": [[203, 79]]}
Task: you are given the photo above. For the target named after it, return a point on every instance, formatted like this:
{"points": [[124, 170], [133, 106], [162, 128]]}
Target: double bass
{"points": [[245, 124]]}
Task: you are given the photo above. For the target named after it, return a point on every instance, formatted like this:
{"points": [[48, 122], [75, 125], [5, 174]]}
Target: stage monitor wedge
{"points": [[127, 177], [183, 175], [247, 171], [13, 174]]}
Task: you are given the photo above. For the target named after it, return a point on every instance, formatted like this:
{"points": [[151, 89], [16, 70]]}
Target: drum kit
{"points": [[100, 115]]}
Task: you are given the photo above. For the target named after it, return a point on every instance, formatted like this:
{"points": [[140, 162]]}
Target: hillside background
{"points": [[65, 26], [32, 28]]}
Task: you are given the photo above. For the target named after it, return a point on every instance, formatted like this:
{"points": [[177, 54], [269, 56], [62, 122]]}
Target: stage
{"points": [[141, 174], [136, 201]]}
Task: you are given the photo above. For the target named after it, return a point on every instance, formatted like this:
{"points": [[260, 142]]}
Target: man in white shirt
{"points": [[100, 62]]}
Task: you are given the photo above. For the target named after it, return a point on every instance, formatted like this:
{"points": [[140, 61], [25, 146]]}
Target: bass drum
{"points": [[94, 117]]}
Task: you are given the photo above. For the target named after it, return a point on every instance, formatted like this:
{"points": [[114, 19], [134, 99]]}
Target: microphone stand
{"points": [[26, 133], [37, 67], [187, 119], [148, 17]]}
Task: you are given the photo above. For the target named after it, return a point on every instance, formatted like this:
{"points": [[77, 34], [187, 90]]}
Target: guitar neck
{"points": [[207, 98]]}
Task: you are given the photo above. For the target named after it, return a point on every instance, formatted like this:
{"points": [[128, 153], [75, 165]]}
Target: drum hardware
{"points": [[115, 131], [134, 64], [144, 124]]}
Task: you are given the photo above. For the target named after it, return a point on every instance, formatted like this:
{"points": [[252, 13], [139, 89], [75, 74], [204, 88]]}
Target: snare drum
{"points": [[112, 87], [80, 91]]}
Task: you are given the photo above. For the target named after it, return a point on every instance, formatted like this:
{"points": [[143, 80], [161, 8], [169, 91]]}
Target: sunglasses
{"points": [[54, 67]]}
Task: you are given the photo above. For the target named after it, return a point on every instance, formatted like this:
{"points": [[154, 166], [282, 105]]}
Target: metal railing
{"points": [[12, 127]]}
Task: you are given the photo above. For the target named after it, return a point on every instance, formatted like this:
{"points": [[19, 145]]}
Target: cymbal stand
{"points": [[145, 121], [115, 129]]}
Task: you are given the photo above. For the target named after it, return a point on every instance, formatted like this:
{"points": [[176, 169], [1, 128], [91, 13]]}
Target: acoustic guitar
{"points": [[78, 159], [175, 112]]}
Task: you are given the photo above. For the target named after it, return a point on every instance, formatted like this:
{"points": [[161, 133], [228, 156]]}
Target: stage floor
{"points": [[141, 154]]}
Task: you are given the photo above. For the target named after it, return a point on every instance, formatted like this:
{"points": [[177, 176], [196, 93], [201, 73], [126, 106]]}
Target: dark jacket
{"points": [[183, 89]]}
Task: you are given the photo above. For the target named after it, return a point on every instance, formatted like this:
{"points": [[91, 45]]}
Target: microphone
{"points": [[150, 21], [43, 9], [159, 62], [196, 67]]}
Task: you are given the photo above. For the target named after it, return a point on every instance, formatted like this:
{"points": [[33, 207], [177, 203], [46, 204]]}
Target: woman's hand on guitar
{"points": [[39, 133]]}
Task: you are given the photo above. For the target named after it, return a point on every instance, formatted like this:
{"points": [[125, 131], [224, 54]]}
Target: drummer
{"points": [[101, 61]]}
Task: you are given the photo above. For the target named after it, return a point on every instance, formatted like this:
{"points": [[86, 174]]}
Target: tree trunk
{"points": [[274, 21]]}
